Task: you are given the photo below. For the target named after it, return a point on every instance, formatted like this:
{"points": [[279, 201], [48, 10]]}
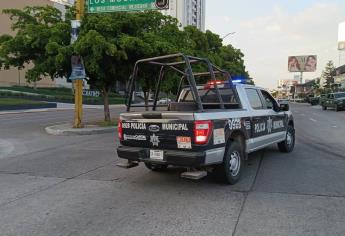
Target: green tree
{"points": [[210, 45], [39, 30], [316, 86], [110, 44], [328, 75]]}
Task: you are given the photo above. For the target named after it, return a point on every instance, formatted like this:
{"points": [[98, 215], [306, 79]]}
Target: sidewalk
{"points": [[67, 130]]}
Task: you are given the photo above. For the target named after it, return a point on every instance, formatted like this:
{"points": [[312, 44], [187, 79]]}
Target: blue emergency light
{"points": [[239, 79]]}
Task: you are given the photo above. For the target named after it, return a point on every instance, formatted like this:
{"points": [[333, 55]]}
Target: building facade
{"points": [[339, 77], [284, 88], [14, 76], [188, 12]]}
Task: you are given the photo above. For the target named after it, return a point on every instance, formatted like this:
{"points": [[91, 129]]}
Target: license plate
{"points": [[156, 155]]}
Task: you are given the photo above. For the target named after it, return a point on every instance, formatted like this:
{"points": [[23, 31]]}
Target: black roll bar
{"points": [[171, 62]]}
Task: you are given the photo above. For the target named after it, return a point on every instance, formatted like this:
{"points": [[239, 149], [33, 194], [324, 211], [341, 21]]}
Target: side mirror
{"points": [[284, 107]]}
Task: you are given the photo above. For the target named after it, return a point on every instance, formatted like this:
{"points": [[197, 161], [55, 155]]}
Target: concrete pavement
{"points": [[54, 185]]}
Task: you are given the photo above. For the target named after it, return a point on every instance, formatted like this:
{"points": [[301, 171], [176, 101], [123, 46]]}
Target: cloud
{"points": [[226, 19], [273, 27]]}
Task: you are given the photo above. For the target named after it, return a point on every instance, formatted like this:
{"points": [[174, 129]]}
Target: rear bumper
{"points": [[173, 157]]}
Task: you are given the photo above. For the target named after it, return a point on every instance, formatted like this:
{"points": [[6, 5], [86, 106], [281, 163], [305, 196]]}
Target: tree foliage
{"points": [[328, 75], [38, 32], [110, 44]]}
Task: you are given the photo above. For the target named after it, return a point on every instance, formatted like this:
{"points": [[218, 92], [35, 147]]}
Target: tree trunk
{"points": [[105, 93]]}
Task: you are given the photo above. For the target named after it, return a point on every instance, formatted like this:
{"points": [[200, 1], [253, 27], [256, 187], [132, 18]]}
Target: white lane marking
{"points": [[5, 148], [334, 126], [312, 119], [302, 114]]}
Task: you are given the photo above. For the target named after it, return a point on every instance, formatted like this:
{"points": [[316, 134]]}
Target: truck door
{"points": [[277, 120], [267, 126], [330, 101]]}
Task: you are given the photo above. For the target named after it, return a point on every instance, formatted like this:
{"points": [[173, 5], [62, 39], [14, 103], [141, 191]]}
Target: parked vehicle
{"points": [[313, 100], [334, 100], [209, 128], [309, 97], [283, 100], [164, 101]]}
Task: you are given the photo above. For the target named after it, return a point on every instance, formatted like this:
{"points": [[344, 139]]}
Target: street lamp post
{"points": [[231, 33]]}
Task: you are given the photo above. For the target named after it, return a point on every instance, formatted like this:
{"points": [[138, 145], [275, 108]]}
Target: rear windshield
{"points": [[209, 96], [339, 95]]}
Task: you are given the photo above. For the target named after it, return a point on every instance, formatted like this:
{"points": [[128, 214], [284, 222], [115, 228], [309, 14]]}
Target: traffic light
{"points": [[162, 4]]}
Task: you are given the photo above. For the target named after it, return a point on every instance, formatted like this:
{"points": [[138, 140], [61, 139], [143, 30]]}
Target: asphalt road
{"points": [[71, 186]]}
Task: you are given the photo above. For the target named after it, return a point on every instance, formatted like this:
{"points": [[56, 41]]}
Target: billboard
{"points": [[306, 63], [341, 36]]}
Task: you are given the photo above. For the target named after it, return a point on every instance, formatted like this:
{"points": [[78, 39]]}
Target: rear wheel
{"points": [[156, 167], [289, 143], [324, 108], [230, 170]]}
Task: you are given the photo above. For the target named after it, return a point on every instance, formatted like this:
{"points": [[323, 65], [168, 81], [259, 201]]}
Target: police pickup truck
{"points": [[212, 127]]}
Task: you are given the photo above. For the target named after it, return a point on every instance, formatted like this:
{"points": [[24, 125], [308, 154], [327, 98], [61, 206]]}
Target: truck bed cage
{"points": [[182, 65]]}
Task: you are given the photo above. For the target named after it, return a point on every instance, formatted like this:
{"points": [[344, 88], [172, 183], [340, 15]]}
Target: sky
{"points": [[268, 31]]}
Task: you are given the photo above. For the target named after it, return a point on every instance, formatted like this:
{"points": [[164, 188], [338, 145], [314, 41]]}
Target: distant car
{"points": [[283, 100], [313, 100], [334, 100], [164, 101]]}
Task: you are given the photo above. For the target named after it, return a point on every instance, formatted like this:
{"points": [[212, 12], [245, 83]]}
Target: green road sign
{"points": [[98, 6]]}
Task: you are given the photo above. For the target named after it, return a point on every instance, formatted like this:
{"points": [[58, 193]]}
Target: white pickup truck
{"points": [[212, 127]]}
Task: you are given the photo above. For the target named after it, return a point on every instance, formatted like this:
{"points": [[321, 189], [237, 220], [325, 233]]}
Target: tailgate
{"points": [[158, 130]]}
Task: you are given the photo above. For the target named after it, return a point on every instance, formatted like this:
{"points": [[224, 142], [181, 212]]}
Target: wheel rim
{"points": [[289, 138], [234, 163]]}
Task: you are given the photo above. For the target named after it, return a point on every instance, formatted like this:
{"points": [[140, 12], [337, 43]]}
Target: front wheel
{"points": [[230, 170], [289, 143], [156, 167], [336, 108]]}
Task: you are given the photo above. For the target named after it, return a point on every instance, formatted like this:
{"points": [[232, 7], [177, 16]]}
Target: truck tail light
{"points": [[202, 131], [120, 130]]}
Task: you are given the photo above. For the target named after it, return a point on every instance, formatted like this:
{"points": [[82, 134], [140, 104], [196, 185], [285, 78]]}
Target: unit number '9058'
{"points": [[234, 124]]}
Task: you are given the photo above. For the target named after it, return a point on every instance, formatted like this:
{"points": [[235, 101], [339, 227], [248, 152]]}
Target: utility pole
{"points": [[78, 84]]}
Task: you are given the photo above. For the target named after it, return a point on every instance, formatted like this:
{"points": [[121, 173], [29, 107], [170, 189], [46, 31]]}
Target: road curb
{"points": [[27, 106], [68, 130]]}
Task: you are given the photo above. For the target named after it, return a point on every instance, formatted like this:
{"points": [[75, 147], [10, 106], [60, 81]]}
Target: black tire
{"points": [[336, 108], [156, 167], [233, 156], [324, 108], [289, 143]]}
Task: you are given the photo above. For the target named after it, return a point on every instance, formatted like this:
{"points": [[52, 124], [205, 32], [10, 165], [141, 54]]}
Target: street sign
{"points": [[75, 28], [91, 93], [162, 4], [78, 69], [98, 6]]}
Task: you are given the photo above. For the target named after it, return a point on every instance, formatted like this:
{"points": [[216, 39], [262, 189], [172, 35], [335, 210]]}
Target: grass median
{"points": [[64, 95], [18, 101]]}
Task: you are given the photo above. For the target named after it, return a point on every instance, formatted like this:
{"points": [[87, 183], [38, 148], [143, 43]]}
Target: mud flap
{"points": [[127, 165], [194, 175]]}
